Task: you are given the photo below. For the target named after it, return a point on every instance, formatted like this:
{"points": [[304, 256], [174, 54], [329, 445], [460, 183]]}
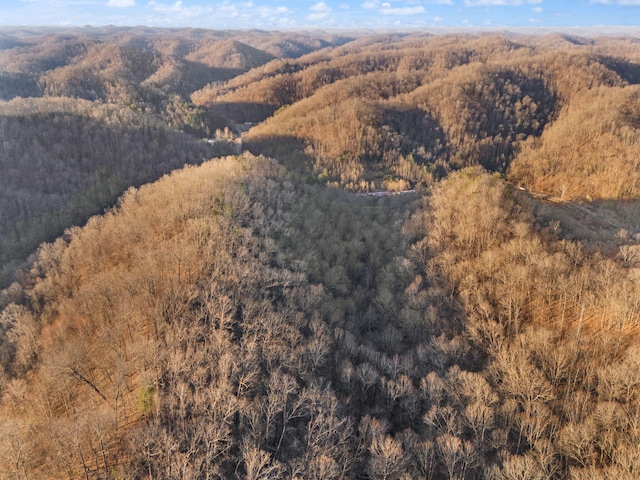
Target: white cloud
{"points": [[616, 2], [387, 8], [247, 14], [501, 3], [271, 12], [320, 7], [121, 3], [233, 10], [320, 11], [228, 10], [278, 16], [179, 10], [438, 18], [231, 14], [165, 8], [370, 5], [534, 20], [537, 9]]}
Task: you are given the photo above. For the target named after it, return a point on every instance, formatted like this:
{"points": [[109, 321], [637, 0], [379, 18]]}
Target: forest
{"points": [[401, 256]]}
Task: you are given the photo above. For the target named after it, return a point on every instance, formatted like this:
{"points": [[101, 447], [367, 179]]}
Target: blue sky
{"points": [[292, 14]]}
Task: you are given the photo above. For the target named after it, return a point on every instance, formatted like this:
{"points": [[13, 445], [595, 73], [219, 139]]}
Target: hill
{"points": [[252, 326], [414, 107], [63, 160], [153, 69], [582, 154], [260, 316], [139, 73]]}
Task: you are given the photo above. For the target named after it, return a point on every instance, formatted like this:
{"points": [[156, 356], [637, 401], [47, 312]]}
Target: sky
{"points": [[324, 14]]}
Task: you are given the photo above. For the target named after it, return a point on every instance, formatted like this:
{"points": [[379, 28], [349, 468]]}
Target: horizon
{"points": [[325, 15], [578, 31]]}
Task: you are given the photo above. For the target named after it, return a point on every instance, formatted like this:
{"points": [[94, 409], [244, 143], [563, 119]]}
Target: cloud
{"points": [[617, 2], [234, 10], [537, 9], [121, 3], [387, 9], [266, 11], [371, 5], [249, 15], [178, 9], [320, 11], [500, 3]]}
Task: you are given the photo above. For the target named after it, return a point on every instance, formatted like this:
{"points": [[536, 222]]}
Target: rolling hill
{"points": [[63, 160], [415, 107], [261, 315]]}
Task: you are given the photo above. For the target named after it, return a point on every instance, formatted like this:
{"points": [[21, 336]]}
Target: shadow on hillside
{"points": [[65, 166], [628, 71], [420, 133], [243, 112], [497, 126], [14, 85], [286, 149], [196, 75]]}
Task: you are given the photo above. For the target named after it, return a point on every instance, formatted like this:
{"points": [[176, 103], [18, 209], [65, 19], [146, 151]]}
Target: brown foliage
{"points": [[233, 321]]}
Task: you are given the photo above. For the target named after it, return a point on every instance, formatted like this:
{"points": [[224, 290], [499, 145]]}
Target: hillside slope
{"points": [[253, 317], [414, 107], [590, 152], [151, 69], [229, 322], [63, 160]]}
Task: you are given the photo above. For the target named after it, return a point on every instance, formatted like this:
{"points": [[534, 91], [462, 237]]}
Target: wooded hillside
{"points": [[154, 70], [260, 316], [227, 321], [104, 111], [414, 107], [63, 160]]}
